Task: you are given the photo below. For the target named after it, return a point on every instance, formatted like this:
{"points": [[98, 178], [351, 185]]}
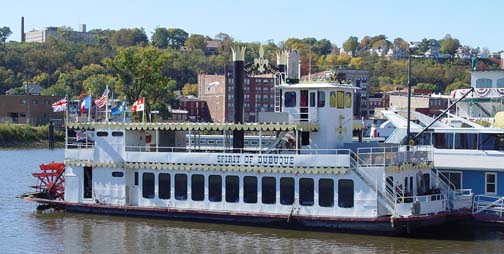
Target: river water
{"points": [[24, 230]]}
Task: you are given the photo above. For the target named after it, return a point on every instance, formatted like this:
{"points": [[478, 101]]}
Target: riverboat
{"points": [[307, 174]]}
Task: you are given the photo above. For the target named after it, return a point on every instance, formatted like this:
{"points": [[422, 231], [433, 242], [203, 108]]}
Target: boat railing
{"points": [[79, 143], [421, 198], [186, 149], [492, 205], [302, 114], [394, 155]]}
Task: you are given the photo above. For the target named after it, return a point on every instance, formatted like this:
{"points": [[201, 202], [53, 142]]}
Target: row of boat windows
{"points": [[204, 141], [337, 99], [488, 83], [106, 133], [470, 141], [249, 184]]}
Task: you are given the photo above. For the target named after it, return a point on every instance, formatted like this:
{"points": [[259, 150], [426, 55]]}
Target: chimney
{"points": [[23, 38], [502, 60], [239, 80], [82, 28]]}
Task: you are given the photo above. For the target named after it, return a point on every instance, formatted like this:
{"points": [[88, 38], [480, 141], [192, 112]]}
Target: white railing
{"points": [[394, 155], [202, 149], [489, 205], [82, 143], [298, 116]]}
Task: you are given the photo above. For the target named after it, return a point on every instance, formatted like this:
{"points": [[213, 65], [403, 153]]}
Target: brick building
{"points": [[218, 91], [197, 109], [28, 109]]}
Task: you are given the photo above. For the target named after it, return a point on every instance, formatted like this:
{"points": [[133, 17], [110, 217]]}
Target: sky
{"points": [[475, 23]]}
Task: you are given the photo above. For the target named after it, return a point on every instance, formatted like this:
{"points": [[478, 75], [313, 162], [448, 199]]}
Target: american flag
{"points": [[60, 105], [102, 101]]}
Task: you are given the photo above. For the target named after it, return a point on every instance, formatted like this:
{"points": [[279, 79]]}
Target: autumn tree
{"points": [[129, 37], [195, 42], [449, 45], [190, 89], [350, 45]]}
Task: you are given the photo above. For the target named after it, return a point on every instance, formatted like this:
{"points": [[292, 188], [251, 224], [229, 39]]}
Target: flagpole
{"points": [[89, 109], [143, 111], [65, 120], [106, 106]]}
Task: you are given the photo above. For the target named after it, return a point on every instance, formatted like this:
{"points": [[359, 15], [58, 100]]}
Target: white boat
{"points": [[311, 176]]}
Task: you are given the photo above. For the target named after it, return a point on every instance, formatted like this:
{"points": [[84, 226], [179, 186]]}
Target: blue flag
{"points": [[119, 108]]}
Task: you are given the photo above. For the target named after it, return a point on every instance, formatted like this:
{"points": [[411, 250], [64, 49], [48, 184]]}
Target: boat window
{"points": [[348, 100], [254, 142], [268, 192], [290, 99], [136, 178], [453, 177], [306, 189], [326, 192], [345, 193], [305, 138], [500, 83], [389, 185], [483, 83], [219, 142], [232, 189], [88, 182], [286, 190], [117, 134], [490, 183], [465, 141], [250, 189], [101, 133], [148, 185], [341, 99], [197, 187], [424, 139], [164, 186], [443, 140], [487, 141], [312, 99], [332, 99], [215, 188], [210, 142], [117, 174], [321, 99], [180, 187]]}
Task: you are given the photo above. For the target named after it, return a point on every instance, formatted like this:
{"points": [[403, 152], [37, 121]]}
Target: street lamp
{"points": [[210, 85], [411, 47]]}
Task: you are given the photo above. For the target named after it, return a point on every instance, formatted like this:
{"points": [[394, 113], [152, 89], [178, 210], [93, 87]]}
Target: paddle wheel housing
{"points": [[51, 181]]}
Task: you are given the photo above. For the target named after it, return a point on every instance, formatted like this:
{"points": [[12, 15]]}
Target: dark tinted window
{"points": [[442, 140], [250, 189], [164, 186], [487, 141], [117, 134], [345, 193], [232, 189], [148, 185], [117, 174], [215, 188], [326, 192], [101, 133], [268, 190], [180, 187], [312, 99], [306, 189], [465, 141], [197, 187], [136, 178], [290, 99], [321, 99], [286, 191]]}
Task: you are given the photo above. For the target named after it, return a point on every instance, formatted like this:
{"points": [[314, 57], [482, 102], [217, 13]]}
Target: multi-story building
{"points": [[197, 109], [428, 104], [28, 109], [42, 35], [218, 91]]}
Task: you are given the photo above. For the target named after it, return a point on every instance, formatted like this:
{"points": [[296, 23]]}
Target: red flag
{"points": [[138, 105]]}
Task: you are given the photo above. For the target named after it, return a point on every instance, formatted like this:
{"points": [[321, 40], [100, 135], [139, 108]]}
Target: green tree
{"points": [[190, 89], [177, 37], [195, 42], [5, 32], [457, 85], [160, 37], [350, 45], [129, 37], [429, 86], [449, 45]]}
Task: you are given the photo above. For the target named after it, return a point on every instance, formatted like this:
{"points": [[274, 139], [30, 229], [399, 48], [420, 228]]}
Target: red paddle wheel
{"points": [[51, 180]]}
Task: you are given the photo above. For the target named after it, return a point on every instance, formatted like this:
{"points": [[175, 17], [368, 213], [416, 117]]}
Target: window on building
{"points": [[442, 140], [290, 99], [232, 189], [490, 183], [215, 188], [348, 100], [483, 83], [181, 187], [268, 193], [197, 187], [34, 102], [453, 177], [164, 186], [332, 99], [250, 189], [326, 192], [22, 101], [466, 141], [286, 190], [341, 99], [148, 185], [321, 99], [500, 83], [345, 193], [306, 189]]}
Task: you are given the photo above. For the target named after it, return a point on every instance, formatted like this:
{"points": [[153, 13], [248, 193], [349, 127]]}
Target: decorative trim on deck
{"points": [[211, 167], [409, 166], [198, 126]]}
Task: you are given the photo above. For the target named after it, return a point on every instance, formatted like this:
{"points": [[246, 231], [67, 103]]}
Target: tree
{"points": [[190, 89], [176, 37], [350, 45], [5, 32], [457, 85], [429, 86], [196, 41], [222, 36], [449, 45], [160, 37], [129, 37]]}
